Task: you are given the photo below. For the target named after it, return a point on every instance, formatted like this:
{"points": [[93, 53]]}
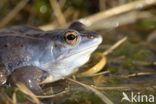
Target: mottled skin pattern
{"points": [[29, 55]]}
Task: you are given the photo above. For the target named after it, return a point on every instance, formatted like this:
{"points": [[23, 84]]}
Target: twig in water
{"points": [[99, 94], [53, 95], [100, 73], [123, 88], [25, 90], [117, 44]]}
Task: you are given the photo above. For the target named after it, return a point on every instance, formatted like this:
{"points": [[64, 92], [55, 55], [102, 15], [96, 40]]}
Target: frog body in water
{"points": [[30, 55]]}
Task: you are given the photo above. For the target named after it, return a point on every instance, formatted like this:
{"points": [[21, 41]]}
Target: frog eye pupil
{"points": [[71, 37]]}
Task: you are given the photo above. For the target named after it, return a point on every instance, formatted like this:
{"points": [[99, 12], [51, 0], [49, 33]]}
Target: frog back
{"points": [[21, 46]]}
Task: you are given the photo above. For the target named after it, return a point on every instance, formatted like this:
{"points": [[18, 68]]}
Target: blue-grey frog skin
{"points": [[30, 55]]}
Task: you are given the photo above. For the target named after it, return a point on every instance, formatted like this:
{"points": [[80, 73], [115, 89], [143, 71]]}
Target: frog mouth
{"points": [[84, 51], [89, 49], [94, 45]]}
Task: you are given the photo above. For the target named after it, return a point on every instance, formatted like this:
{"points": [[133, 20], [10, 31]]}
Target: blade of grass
{"points": [[26, 91], [98, 93], [53, 95], [58, 13], [138, 4], [117, 44], [13, 13]]}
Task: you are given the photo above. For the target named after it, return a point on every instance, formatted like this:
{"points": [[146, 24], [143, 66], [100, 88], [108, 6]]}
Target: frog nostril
{"points": [[91, 36]]}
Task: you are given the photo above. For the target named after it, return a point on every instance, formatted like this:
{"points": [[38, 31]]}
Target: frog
{"points": [[32, 56]]}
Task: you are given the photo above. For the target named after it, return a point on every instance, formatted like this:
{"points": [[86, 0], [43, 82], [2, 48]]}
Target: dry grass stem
{"points": [[120, 20], [139, 74], [98, 93], [58, 13], [138, 4], [100, 73], [124, 88], [117, 44], [5, 98], [92, 75], [14, 99], [13, 13], [88, 21], [48, 27], [53, 95], [26, 91]]}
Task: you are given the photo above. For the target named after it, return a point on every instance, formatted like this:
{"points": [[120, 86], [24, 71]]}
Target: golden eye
{"points": [[71, 38]]}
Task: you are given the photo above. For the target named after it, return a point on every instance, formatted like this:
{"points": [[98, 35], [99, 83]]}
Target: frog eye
{"points": [[71, 38]]}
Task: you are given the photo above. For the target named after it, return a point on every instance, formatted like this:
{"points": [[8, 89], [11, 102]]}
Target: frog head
{"points": [[70, 49]]}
